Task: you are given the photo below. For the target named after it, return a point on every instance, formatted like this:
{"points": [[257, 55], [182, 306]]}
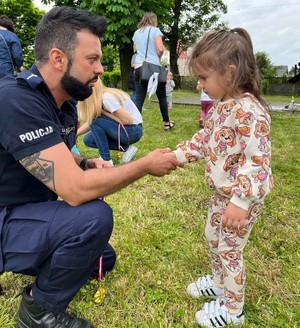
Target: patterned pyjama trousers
{"points": [[226, 248]]}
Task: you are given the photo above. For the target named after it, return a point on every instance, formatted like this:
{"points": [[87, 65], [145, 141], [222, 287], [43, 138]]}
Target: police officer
{"points": [[52, 223]]}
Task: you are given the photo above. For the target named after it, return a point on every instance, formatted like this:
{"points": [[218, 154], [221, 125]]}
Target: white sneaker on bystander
{"points": [[128, 154]]}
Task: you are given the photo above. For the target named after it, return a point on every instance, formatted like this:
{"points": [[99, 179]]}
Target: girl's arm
{"points": [[83, 129], [190, 151], [255, 170], [121, 115], [255, 174]]}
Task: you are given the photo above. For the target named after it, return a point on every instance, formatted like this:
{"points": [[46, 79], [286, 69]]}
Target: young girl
{"points": [[235, 143], [170, 85], [114, 121], [206, 104]]}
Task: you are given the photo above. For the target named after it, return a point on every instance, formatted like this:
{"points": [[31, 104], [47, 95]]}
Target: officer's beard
{"points": [[75, 88]]}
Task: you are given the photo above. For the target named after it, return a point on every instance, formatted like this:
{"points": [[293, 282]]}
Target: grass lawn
{"points": [[159, 238], [277, 98]]}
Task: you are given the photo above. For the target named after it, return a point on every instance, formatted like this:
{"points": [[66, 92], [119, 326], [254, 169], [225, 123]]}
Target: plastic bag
{"points": [[152, 84]]}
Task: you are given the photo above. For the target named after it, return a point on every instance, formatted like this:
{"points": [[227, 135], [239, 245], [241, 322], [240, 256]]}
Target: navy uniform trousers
{"points": [[59, 244]]}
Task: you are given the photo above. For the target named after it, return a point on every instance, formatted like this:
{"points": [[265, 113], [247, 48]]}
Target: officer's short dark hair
{"points": [[58, 28]]}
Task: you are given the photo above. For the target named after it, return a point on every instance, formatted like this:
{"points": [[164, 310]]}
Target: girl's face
{"points": [[213, 83]]}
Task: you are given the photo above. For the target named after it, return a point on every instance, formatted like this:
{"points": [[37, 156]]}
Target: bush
{"points": [[188, 82], [111, 79], [265, 84], [115, 78]]}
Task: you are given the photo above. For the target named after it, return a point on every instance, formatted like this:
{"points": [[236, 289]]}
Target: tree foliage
{"points": [[25, 16], [181, 21], [123, 17], [265, 65], [185, 22]]}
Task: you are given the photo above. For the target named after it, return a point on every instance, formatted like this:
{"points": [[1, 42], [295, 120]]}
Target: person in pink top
{"points": [[206, 104]]}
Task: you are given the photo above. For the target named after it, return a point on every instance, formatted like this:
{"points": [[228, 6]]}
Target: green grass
{"points": [[281, 100], [159, 238], [277, 98]]}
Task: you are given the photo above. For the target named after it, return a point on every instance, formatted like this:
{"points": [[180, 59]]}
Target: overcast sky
{"points": [[39, 4], [274, 26]]}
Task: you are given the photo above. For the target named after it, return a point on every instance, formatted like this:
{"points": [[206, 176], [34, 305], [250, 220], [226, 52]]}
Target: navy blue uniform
{"points": [[42, 236]]}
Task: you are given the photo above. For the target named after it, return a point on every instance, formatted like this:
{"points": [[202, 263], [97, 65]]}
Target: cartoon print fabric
{"points": [[226, 247], [235, 143]]}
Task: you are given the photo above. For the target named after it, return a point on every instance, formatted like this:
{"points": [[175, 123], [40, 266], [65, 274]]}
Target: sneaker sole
{"points": [[21, 324]]}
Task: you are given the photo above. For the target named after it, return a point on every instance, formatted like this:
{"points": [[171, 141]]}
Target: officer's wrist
{"points": [[83, 164]]}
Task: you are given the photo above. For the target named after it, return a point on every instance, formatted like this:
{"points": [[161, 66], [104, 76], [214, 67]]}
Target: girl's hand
{"points": [[234, 217]]}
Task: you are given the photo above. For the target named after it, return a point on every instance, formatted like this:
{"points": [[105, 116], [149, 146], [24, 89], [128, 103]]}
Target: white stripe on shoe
{"points": [[205, 286], [215, 315]]}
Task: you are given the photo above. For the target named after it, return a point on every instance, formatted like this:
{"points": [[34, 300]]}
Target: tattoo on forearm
{"points": [[41, 168]]}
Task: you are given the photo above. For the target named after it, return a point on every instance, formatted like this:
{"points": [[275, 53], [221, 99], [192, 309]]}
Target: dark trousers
{"points": [[141, 91], [107, 134], [60, 245]]}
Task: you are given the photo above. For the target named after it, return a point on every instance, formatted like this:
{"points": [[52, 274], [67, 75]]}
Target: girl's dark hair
{"points": [[58, 28], [219, 49], [7, 23]]}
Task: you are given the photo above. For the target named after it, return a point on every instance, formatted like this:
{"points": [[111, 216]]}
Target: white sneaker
{"points": [[128, 154], [215, 315], [205, 286], [110, 161]]}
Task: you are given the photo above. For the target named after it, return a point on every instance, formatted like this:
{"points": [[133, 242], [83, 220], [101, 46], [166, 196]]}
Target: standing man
{"points": [[58, 241]]}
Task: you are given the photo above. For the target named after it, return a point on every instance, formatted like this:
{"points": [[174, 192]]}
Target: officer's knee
{"points": [[97, 219]]}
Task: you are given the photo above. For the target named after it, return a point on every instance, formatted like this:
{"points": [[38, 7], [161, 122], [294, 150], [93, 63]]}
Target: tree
{"points": [[123, 17], [295, 70], [266, 69], [25, 16], [264, 65], [182, 21], [186, 22]]}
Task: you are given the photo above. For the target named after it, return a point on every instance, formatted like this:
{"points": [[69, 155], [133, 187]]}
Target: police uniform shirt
{"points": [[30, 122]]}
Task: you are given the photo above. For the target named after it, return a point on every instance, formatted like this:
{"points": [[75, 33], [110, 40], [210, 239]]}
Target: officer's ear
{"points": [[57, 58]]}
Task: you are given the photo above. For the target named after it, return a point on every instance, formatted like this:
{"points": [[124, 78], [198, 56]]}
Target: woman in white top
{"points": [[148, 27], [113, 120]]}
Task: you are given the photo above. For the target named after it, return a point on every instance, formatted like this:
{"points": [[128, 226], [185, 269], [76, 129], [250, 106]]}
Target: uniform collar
{"points": [[32, 77], [34, 80]]}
